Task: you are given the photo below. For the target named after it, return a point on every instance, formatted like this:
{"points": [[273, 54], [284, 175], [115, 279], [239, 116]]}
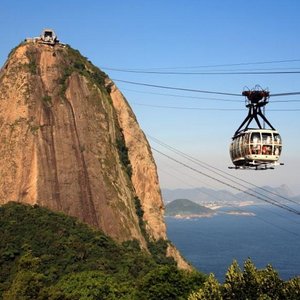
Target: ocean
{"points": [[210, 244]]}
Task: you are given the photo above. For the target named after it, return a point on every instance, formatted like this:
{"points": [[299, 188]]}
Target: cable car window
{"points": [[231, 151], [238, 149], [246, 138], [266, 150], [277, 138], [234, 153], [255, 137], [267, 138], [246, 144], [242, 145], [247, 150], [235, 148], [277, 150], [255, 149]]}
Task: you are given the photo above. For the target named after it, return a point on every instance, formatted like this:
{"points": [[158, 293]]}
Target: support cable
{"points": [[218, 171], [227, 184]]}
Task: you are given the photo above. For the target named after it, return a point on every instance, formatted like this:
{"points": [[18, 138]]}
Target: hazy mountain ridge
{"points": [[209, 197]]}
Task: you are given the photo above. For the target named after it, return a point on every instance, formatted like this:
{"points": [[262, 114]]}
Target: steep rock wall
{"points": [[58, 142], [144, 172]]}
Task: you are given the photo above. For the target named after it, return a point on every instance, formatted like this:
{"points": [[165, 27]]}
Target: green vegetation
{"points": [[123, 154], [158, 248], [13, 50], [63, 81], [47, 255], [75, 62], [17, 123], [47, 100], [250, 283], [140, 214], [32, 66], [185, 207], [31, 125]]}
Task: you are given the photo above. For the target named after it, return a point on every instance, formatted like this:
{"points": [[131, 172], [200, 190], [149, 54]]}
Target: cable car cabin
{"points": [[255, 148]]}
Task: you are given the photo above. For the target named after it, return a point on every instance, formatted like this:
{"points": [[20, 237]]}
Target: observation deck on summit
{"points": [[47, 36]]}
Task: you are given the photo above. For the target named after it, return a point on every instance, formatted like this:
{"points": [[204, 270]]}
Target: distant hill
{"points": [[198, 195], [185, 207]]}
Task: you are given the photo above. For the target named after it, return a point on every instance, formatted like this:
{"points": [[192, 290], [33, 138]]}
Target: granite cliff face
{"points": [[69, 141]]}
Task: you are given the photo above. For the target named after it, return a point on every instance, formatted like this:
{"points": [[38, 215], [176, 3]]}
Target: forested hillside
{"points": [[47, 255]]}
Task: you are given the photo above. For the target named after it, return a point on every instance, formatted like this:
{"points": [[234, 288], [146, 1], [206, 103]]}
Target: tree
{"points": [[291, 289], [233, 287], [88, 285], [168, 282], [270, 284], [210, 291], [25, 286], [251, 284]]}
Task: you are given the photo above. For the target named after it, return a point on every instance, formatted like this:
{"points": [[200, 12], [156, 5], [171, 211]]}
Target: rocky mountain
{"points": [[70, 142]]}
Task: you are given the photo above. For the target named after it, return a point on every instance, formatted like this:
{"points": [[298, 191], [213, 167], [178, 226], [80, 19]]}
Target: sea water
{"points": [[210, 244]]}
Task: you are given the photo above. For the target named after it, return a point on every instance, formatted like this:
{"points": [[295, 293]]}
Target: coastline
{"points": [[217, 210]]}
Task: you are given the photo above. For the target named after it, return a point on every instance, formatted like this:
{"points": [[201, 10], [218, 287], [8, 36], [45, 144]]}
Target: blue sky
{"points": [[182, 35]]}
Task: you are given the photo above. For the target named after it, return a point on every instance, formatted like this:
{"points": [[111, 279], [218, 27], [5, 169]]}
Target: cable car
{"points": [[256, 148]]}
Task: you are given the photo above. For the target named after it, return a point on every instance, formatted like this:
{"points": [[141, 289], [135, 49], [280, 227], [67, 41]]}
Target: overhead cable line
{"points": [[232, 195], [228, 204], [188, 108], [183, 96], [216, 170], [238, 208], [273, 202], [281, 101], [285, 109], [211, 177], [203, 108], [227, 184], [197, 90], [220, 65], [151, 71], [202, 98], [285, 94], [213, 195], [177, 88], [207, 73]]}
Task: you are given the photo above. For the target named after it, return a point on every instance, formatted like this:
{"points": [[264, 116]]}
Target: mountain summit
{"points": [[70, 142]]}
